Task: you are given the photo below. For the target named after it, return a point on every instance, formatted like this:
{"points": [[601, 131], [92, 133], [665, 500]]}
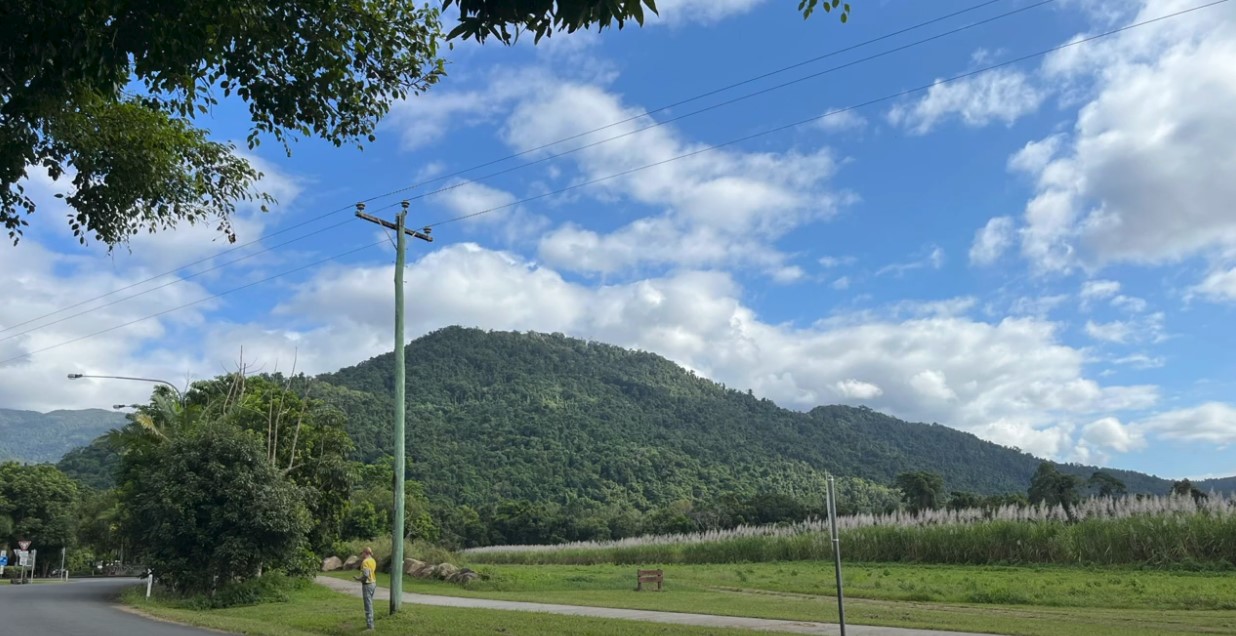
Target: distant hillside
{"points": [[495, 415], [45, 437]]}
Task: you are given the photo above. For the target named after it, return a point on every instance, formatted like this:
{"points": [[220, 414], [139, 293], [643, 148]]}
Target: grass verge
{"points": [[1043, 601], [317, 610]]}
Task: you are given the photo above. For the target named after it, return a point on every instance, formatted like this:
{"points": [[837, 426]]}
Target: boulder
{"points": [[410, 566], [423, 571], [330, 564], [464, 576], [444, 571], [353, 563]]}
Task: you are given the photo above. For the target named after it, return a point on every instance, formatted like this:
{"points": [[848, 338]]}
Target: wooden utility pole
{"points": [[400, 393]]}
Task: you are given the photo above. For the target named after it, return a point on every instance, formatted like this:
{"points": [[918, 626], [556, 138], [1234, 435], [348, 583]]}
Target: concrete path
{"points": [[675, 618], [86, 606]]}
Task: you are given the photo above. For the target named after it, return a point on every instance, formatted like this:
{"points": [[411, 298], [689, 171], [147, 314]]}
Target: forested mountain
{"points": [[509, 416], [28, 436]]}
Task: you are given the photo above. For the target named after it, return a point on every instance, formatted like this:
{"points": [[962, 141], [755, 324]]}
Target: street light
{"points": [[180, 397]]}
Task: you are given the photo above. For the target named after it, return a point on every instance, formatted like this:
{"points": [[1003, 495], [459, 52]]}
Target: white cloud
{"points": [[933, 259], [835, 261], [787, 275], [991, 241], [1147, 328], [1001, 95], [1219, 285], [835, 121], [1099, 289], [857, 389], [1212, 423], [718, 207], [1115, 331], [1109, 433], [1141, 361], [1035, 155], [680, 12], [841, 283], [48, 282], [1145, 176]]}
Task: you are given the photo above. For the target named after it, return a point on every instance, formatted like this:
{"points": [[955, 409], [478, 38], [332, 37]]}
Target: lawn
{"points": [[1047, 601], [317, 610]]}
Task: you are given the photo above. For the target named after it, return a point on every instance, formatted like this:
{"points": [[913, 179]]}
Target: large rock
{"points": [[424, 571], [353, 563], [464, 576], [330, 564], [411, 565], [444, 571]]}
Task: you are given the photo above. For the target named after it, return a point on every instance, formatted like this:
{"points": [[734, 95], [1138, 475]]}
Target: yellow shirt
{"points": [[369, 570]]}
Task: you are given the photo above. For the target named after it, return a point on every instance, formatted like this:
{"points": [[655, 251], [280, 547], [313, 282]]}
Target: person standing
{"points": [[369, 583]]}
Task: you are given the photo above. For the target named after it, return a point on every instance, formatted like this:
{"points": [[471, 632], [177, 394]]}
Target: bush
{"points": [[271, 588]]}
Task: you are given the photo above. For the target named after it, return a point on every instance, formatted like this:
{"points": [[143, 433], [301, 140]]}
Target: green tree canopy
{"points": [[1106, 485], [209, 508], [921, 490], [1185, 488], [39, 504], [1052, 487]]}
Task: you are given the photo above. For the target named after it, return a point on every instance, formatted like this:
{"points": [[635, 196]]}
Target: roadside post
{"points": [[63, 574], [831, 503], [25, 561], [149, 581]]}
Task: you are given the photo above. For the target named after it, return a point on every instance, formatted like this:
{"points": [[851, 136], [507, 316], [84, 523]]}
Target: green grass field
{"points": [[1046, 601], [317, 610]]}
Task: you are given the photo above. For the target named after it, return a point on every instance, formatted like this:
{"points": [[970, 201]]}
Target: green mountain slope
{"points": [[494, 415], [45, 437]]}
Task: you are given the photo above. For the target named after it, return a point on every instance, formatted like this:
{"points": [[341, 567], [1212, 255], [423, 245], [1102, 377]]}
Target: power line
{"points": [[190, 304], [694, 98], [834, 113], [718, 105], [885, 98], [577, 136]]}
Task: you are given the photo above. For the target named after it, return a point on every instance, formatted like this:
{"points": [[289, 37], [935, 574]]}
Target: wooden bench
{"points": [[649, 576]]}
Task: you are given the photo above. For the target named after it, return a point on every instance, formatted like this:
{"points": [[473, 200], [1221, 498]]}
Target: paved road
{"points": [[78, 608], [675, 618]]}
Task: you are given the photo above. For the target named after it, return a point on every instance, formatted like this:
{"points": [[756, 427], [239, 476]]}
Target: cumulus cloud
{"points": [[991, 241], [1212, 423], [721, 207], [1145, 175], [995, 96], [1219, 285], [857, 389], [36, 363], [1108, 433]]}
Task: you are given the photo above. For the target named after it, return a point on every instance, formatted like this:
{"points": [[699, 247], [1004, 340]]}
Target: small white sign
{"points": [[23, 558]]}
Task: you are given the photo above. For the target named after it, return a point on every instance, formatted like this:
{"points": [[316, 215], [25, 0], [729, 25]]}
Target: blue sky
{"points": [[1043, 254]]}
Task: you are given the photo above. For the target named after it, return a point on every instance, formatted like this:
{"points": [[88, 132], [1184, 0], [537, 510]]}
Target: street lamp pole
{"points": [[180, 396]]}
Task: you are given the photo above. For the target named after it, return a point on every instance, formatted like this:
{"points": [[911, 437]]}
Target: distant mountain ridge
{"points": [[535, 416], [29, 436]]}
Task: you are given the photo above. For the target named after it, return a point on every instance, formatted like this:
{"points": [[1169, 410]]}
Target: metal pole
{"points": [[63, 574], [400, 414], [832, 524]]}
